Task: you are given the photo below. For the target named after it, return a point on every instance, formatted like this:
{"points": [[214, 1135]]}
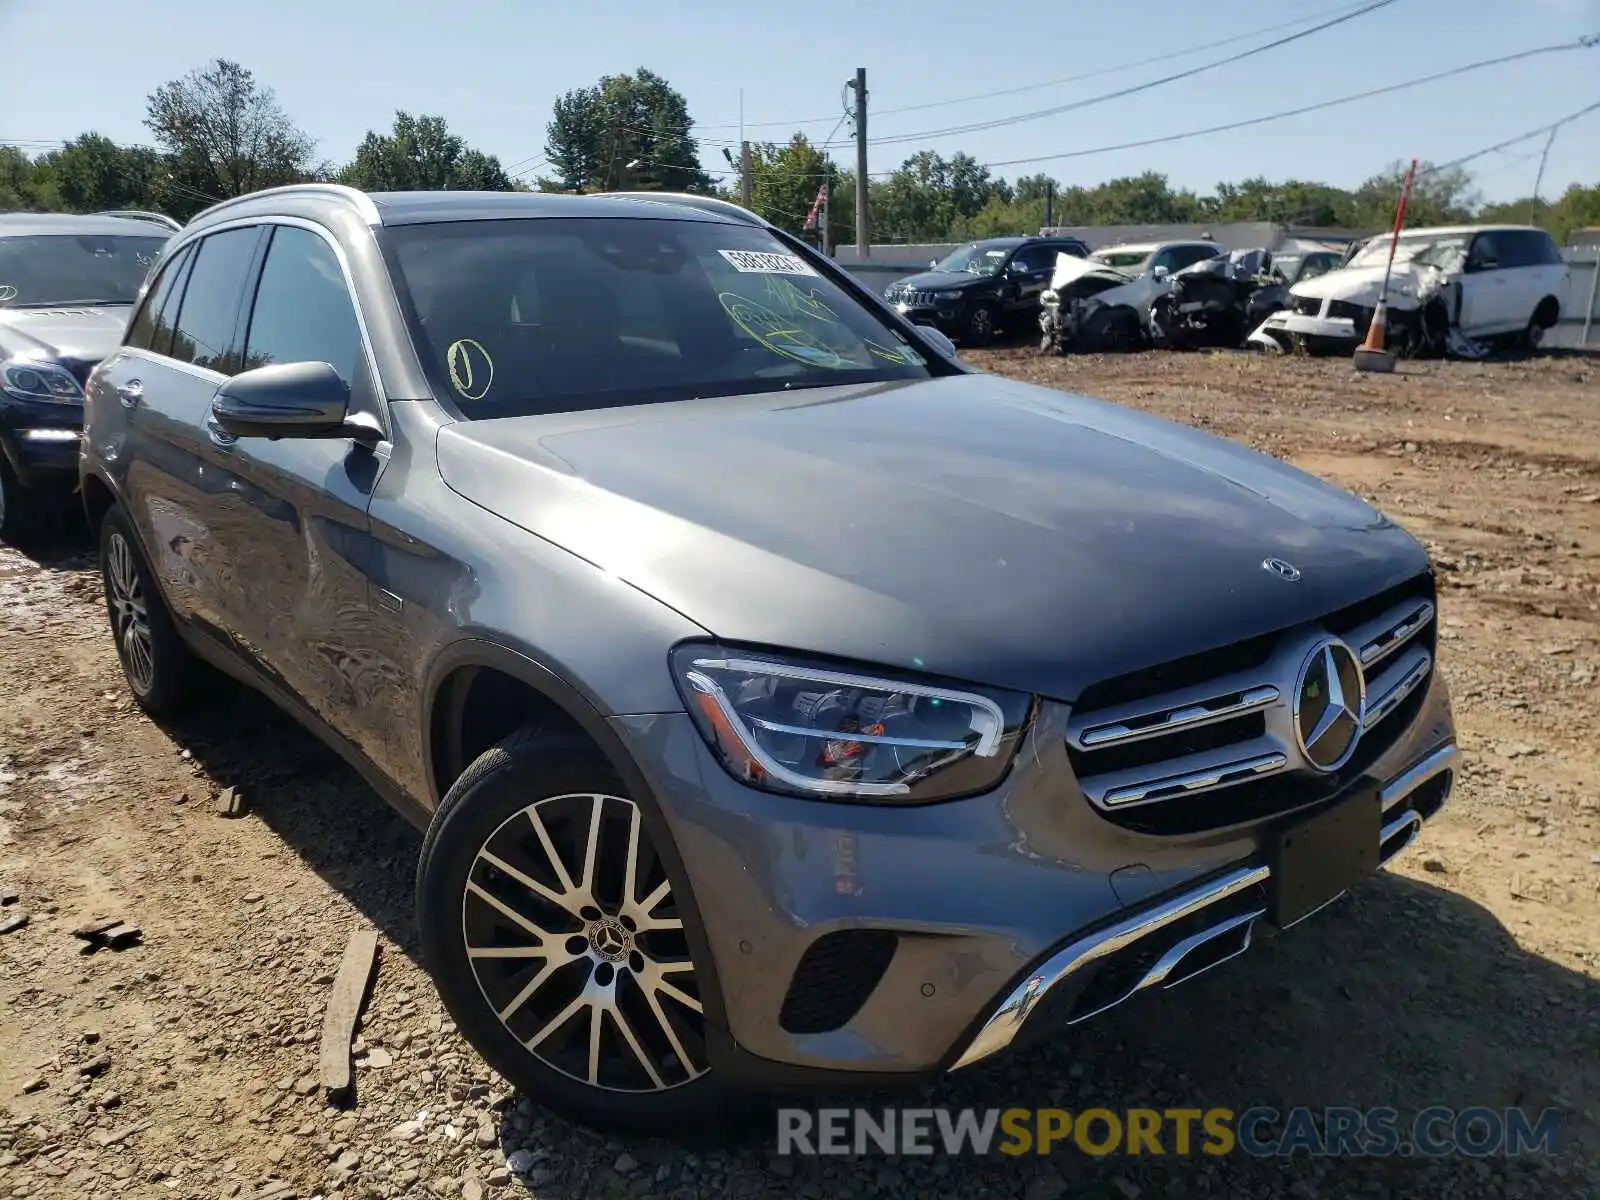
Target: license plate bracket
{"points": [[1314, 861]]}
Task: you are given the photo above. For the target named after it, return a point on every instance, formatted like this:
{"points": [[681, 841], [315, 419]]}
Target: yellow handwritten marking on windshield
{"points": [[884, 352], [469, 362], [780, 334], [800, 304], [7, 292]]}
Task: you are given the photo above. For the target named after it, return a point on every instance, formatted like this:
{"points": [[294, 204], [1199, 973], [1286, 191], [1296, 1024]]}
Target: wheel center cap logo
{"points": [[1330, 704], [610, 941]]}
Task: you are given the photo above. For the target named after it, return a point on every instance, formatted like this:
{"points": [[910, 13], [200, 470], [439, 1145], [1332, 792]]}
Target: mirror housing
{"points": [[1159, 273], [933, 262], [937, 338], [295, 400]]}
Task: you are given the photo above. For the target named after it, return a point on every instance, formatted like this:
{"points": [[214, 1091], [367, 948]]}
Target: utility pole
{"points": [[863, 227], [1533, 209], [827, 200], [745, 182], [1049, 203]]}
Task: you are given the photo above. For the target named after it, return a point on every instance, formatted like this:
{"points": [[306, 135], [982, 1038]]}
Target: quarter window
{"points": [[208, 318], [303, 311]]}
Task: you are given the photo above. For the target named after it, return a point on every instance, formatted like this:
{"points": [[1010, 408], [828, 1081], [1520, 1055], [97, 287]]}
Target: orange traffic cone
{"points": [[1371, 354]]}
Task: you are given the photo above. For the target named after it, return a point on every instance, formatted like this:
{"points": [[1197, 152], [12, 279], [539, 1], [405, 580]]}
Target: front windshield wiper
{"points": [[70, 303]]}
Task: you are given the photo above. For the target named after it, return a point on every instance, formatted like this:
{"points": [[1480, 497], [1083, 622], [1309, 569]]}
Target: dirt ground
{"points": [[1469, 974]]}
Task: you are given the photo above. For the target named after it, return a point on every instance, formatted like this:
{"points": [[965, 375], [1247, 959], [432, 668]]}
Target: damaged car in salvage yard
{"points": [[783, 698], [1450, 289], [1102, 302]]}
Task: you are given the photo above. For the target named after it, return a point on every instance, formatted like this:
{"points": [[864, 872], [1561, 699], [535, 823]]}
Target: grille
{"points": [[1307, 306], [1345, 310], [912, 296], [1209, 741], [836, 974]]}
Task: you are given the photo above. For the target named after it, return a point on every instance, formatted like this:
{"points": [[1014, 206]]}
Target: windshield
{"points": [[40, 271], [544, 315], [1446, 252], [976, 259], [1122, 259]]}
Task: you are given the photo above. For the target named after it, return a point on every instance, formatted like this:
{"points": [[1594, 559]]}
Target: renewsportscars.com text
{"points": [[1259, 1132]]}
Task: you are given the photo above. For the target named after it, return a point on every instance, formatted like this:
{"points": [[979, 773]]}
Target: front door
{"points": [[299, 506]]}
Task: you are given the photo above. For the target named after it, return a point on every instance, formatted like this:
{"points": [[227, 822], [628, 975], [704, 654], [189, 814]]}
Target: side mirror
{"points": [[933, 262], [295, 400], [937, 339], [1159, 273]]}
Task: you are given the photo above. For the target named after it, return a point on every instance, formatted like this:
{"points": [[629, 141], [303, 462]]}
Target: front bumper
{"points": [[41, 442], [986, 905]]}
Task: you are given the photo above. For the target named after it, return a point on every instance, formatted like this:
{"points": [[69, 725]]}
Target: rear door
{"points": [[177, 491], [298, 506], [1536, 271], [1034, 265]]}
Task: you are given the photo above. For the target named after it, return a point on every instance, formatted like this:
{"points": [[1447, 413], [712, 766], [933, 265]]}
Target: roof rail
{"points": [[353, 196], [139, 214], [689, 200]]}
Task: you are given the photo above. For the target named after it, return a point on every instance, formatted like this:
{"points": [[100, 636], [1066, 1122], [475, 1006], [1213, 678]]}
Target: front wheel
{"points": [[980, 325], [557, 938]]}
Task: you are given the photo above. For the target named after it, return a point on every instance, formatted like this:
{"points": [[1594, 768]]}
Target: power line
{"points": [[1133, 89], [1581, 43], [1521, 137], [1049, 83]]}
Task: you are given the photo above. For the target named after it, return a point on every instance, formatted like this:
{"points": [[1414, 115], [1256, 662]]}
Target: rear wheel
{"points": [[556, 936], [157, 665], [1112, 331]]}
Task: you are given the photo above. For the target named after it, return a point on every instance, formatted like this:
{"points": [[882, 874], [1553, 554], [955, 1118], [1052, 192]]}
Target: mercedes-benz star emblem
{"points": [[1330, 703], [1284, 570]]}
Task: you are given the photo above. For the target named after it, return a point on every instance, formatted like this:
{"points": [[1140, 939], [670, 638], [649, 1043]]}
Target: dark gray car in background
{"points": [[782, 699], [67, 285]]}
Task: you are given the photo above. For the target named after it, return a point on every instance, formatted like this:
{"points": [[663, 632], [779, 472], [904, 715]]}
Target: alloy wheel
{"points": [[575, 940], [130, 614], [981, 323]]}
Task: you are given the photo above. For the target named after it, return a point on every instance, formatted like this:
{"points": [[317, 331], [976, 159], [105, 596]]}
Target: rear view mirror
{"points": [[295, 400]]}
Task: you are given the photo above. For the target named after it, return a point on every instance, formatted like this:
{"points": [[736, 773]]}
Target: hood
{"points": [[1069, 270], [970, 527], [936, 281], [76, 336], [1409, 285]]}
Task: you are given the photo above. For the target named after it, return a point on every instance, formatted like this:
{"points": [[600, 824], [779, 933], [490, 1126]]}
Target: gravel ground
{"points": [[183, 1064]]}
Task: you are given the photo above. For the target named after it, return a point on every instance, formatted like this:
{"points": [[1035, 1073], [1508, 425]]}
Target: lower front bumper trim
{"points": [[1228, 938]]}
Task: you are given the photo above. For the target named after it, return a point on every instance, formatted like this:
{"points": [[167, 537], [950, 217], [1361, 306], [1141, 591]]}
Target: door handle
{"points": [[131, 393]]}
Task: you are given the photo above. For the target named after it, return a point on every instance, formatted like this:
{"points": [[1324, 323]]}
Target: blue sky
{"points": [[492, 68]]}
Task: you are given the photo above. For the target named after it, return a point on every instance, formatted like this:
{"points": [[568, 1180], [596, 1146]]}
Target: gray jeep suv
{"points": [[782, 699]]}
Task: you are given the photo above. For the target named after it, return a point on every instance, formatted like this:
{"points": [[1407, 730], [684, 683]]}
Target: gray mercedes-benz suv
{"points": [[780, 696]]}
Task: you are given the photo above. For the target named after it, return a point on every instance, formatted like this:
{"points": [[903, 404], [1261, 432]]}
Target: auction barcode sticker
{"points": [[757, 262]]}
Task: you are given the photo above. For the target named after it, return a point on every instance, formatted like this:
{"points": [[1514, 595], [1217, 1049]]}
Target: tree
{"points": [[225, 135], [627, 132], [1439, 196], [92, 173], [421, 154], [784, 181], [24, 185]]}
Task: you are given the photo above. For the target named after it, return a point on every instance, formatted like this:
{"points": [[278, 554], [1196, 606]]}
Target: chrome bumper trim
{"points": [[1007, 1020]]}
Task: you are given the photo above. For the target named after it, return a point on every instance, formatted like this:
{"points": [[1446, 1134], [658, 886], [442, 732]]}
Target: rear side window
{"points": [[1527, 248], [142, 332], [303, 311], [208, 318]]}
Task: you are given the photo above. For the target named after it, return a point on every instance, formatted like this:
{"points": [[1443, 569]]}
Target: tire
{"points": [[503, 869], [159, 669], [980, 326], [1544, 318], [18, 517], [1111, 331]]}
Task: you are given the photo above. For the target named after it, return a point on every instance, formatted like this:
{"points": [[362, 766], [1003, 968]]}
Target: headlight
{"points": [[809, 730], [28, 379], [947, 295]]}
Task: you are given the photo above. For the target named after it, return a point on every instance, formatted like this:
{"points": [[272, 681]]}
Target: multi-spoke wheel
{"points": [[574, 939], [559, 937], [130, 615], [155, 662]]}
